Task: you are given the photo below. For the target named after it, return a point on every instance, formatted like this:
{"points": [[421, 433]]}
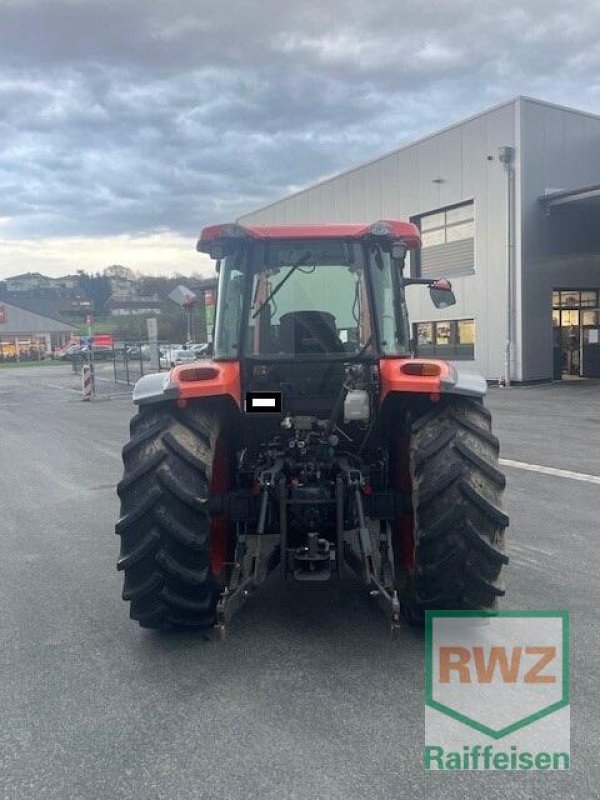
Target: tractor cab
{"points": [[311, 291], [297, 303]]}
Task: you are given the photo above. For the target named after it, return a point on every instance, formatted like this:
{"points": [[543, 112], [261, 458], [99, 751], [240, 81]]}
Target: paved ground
{"points": [[308, 697], [104, 373]]}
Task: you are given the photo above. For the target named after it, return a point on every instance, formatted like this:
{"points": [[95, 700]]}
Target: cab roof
{"points": [[389, 229]]}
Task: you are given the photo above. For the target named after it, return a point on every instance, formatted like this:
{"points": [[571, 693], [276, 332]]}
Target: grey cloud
{"points": [[133, 117]]}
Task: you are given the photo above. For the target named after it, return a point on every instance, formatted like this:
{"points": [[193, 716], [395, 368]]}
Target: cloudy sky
{"points": [[127, 125]]}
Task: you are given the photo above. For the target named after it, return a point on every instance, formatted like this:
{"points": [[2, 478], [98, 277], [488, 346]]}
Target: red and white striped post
{"points": [[86, 382]]}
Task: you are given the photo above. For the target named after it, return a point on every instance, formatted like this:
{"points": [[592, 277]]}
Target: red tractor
{"points": [[311, 441]]}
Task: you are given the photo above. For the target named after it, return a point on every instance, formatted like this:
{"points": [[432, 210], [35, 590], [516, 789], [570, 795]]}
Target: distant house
{"points": [[123, 282], [31, 328], [126, 299], [68, 282], [35, 282], [28, 282]]}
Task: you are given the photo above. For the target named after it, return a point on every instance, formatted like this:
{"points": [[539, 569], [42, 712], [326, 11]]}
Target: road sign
{"points": [[152, 325]]}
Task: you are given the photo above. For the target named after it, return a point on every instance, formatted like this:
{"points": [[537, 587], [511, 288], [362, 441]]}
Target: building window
{"points": [[447, 242], [452, 339], [574, 299]]}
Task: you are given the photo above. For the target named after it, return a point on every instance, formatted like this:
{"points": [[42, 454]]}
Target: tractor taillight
{"points": [[198, 374], [421, 368]]}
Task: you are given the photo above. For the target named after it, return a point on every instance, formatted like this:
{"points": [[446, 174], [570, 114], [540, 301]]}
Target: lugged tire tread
{"points": [[195, 539], [165, 521], [140, 471], [193, 425], [186, 604], [496, 515], [443, 524], [440, 441], [184, 454], [476, 580], [480, 543], [142, 418], [193, 577], [442, 483], [149, 586], [145, 545], [471, 404], [155, 618], [481, 433], [451, 559], [484, 466], [144, 506], [459, 521], [168, 479], [140, 439]]}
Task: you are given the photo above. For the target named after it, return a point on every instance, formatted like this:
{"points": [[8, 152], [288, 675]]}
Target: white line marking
{"points": [[556, 473], [263, 402]]}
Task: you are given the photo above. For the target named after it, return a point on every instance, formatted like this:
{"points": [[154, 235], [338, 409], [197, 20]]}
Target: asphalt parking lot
{"points": [[308, 697]]}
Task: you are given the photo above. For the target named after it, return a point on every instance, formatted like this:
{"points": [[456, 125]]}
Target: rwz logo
{"points": [[497, 672], [483, 665]]}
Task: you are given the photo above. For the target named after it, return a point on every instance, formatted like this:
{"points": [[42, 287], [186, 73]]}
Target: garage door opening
{"points": [[576, 326]]}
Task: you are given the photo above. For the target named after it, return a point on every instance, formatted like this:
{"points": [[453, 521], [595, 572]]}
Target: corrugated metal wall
{"points": [[444, 169], [452, 259]]}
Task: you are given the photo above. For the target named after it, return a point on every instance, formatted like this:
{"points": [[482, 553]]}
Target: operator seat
{"points": [[308, 333]]}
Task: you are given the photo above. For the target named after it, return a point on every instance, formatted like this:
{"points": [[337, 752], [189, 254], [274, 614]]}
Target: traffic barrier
{"points": [[87, 380]]}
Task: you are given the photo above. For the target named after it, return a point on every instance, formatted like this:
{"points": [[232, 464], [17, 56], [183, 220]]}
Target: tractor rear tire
{"points": [[165, 524], [457, 491]]}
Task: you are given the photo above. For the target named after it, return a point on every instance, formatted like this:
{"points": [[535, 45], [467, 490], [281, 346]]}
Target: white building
{"points": [[508, 203]]}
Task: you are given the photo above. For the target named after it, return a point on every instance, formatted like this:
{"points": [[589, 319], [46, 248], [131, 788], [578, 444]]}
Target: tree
{"points": [[96, 287]]}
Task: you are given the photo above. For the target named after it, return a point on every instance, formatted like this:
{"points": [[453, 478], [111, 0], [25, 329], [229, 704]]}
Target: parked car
{"points": [[168, 347], [139, 351], [67, 352], [173, 358], [201, 350], [102, 352]]}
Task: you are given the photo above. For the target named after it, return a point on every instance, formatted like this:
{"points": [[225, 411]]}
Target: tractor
{"points": [[311, 441]]}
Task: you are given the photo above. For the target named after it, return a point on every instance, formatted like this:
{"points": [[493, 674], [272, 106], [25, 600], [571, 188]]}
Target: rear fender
{"points": [[208, 379], [449, 379], [154, 388]]}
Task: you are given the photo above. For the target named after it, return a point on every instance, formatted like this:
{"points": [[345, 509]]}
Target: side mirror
{"points": [[441, 293]]}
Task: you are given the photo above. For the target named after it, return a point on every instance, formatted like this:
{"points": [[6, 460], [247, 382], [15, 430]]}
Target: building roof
{"points": [[27, 275], [42, 306]]}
